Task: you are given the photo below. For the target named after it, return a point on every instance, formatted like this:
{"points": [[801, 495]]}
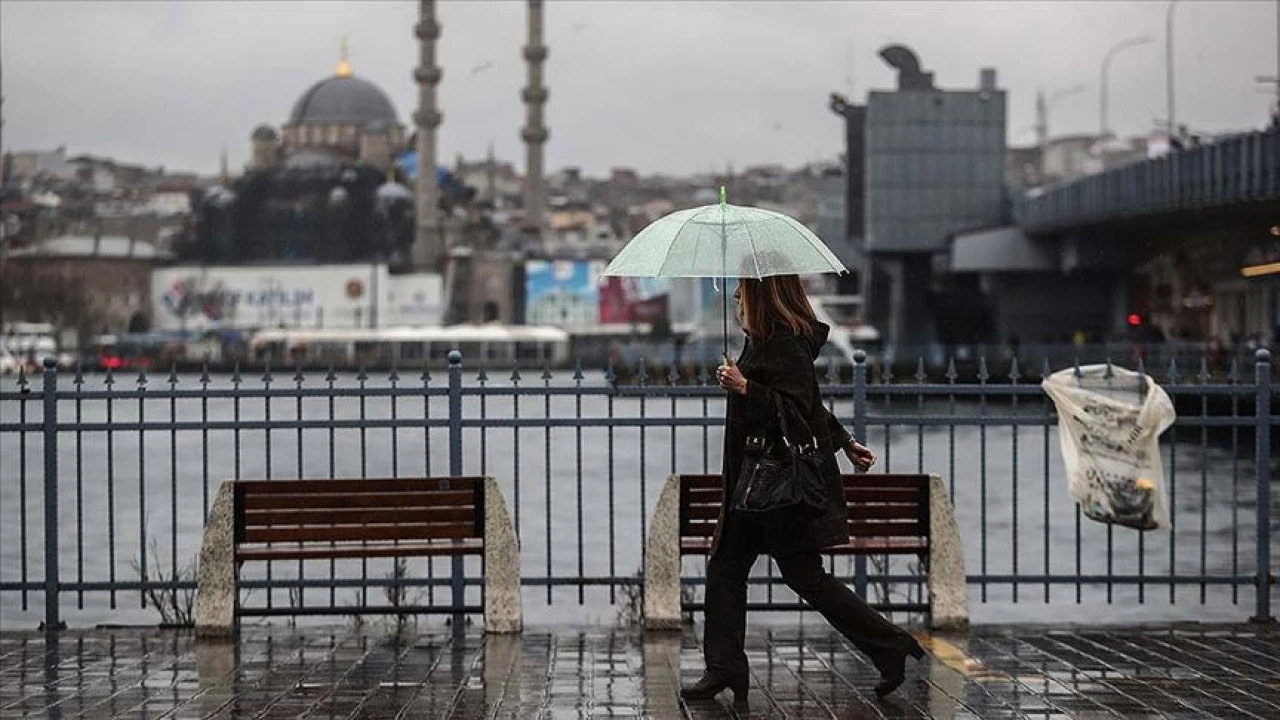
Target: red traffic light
{"points": [[1135, 319]]}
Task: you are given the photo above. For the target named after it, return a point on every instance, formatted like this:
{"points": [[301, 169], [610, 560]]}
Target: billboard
{"points": [[312, 296], [565, 293]]}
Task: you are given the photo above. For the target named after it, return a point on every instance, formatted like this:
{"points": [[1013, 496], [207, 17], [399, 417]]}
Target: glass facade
{"points": [[934, 166]]}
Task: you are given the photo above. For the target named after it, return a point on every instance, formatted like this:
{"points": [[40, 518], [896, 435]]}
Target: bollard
{"points": [[50, 430]]}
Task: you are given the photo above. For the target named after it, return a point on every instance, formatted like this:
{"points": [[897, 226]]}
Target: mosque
{"points": [[338, 183]]}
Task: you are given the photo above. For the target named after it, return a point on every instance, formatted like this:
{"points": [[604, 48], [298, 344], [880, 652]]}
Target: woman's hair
{"points": [[773, 302]]}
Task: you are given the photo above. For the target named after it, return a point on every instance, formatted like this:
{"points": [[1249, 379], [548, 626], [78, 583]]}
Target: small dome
{"points": [[343, 100], [389, 192], [264, 132]]}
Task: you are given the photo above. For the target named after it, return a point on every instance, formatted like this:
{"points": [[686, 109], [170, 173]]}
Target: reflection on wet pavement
{"points": [[798, 672]]}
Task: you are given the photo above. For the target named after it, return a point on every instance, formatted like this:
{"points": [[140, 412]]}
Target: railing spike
{"points": [[79, 378], [983, 375], [610, 376], [643, 375], [1045, 369], [331, 376], [921, 376], [952, 375], [482, 376], [1174, 376], [173, 374], [1233, 374], [578, 375], [1015, 373], [204, 370], [1203, 375]]}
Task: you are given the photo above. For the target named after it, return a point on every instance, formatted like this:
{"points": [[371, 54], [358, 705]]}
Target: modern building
{"points": [[934, 167]]}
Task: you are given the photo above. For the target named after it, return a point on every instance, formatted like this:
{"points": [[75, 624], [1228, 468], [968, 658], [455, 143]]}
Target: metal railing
{"points": [[105, 488], [1228, 171]]}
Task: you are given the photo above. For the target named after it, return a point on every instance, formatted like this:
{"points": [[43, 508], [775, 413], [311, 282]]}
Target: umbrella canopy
{"points": [[724, 241]]}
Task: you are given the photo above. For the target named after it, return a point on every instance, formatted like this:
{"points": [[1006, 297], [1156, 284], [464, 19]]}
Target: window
{"points": [[411, 351]]}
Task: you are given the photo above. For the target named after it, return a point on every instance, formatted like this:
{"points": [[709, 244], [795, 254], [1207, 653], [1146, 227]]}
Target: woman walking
{"points": [[783, 340]]}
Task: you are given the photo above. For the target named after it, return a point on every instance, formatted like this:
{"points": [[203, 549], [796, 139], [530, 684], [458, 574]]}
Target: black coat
{"points": [[783, 364]]}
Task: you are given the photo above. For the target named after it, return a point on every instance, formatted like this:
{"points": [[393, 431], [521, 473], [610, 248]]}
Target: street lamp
{"points": [[1168, 61], [1106, 67], [1043, 107]]}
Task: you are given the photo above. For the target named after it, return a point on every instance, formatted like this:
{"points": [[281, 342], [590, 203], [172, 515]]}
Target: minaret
{"points": [[491, 177], [535, 129], [428, 239]]}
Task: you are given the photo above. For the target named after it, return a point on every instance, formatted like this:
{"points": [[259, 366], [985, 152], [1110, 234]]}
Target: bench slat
{"points": [[885, 481], [371, 485], [353, 516], [313, 552], [291, 501], [858, 546], [885, 529], [402, 531], [895, 511], [881, 495]]}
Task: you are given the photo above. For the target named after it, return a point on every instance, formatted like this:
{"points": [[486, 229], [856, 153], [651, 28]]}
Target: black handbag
{"points": [[782, 485]]}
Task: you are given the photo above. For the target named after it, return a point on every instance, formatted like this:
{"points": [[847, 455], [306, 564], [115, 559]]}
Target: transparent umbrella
{"points": [[724, 241]]}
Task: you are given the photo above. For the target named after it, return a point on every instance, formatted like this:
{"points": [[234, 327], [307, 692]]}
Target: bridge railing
{"points": [[1239, 169]]}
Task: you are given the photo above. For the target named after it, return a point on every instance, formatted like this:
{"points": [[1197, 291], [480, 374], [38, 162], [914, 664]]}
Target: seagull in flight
{"points": [[481, 67]]}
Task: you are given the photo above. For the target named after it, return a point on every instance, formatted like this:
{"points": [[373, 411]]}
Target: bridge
{"points": [[1185, 245], [1238, 172]]}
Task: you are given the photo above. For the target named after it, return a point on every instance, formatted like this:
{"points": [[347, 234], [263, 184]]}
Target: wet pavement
{"points": [[1196, 671]]}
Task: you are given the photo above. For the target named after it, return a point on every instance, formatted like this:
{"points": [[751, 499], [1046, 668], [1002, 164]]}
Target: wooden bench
{"points": [[263, 520], [888, 515]]}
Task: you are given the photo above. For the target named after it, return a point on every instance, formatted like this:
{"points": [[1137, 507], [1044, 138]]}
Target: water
{"points": [[583, 496]]}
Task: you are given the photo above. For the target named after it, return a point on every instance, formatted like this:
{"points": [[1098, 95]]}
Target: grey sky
{"points": [[660, 86]]}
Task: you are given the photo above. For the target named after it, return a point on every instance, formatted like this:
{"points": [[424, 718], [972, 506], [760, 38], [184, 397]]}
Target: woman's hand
{"points": [[731, 379], [860, 455]]}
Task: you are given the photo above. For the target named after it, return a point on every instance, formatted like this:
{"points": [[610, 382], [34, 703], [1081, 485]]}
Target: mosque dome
{"points": [[344, 99]]}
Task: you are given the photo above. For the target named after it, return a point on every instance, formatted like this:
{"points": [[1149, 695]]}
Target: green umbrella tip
{"points": [[723, 195]]}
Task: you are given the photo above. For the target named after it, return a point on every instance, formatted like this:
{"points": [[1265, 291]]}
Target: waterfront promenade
{"points": [[798, 671]]}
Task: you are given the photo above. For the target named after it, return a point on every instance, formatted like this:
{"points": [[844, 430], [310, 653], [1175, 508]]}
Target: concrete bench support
{"points": [[662, 561], [948, 593]]}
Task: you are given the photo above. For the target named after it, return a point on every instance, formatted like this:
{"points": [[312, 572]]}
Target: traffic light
{"points": [[1135, 320]]}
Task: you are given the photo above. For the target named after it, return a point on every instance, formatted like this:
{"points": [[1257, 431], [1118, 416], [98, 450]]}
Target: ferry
{"points": [[406, 347]]}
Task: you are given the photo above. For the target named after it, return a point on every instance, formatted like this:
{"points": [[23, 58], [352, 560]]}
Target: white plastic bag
{"points": [[1110, 431]]}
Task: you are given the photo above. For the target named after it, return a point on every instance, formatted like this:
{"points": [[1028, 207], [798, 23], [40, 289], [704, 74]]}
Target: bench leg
{"points": [[216, 573], [662, 562], [503, 611], [948, 591]]}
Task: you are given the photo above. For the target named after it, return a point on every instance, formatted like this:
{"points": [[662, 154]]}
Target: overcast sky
{"points": [[660, 86]]}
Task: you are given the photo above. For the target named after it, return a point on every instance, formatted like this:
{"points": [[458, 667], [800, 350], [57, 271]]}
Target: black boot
{"points": [[893, 669], [710, 685]]}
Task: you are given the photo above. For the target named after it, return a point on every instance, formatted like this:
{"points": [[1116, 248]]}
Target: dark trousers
{"points": [[725, 624]]}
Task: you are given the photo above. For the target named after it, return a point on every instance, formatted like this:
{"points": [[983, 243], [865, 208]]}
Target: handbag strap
{"points": [[788, 413]]}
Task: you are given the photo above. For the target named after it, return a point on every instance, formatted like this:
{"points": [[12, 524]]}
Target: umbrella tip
{"points": [[723, 195]]}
